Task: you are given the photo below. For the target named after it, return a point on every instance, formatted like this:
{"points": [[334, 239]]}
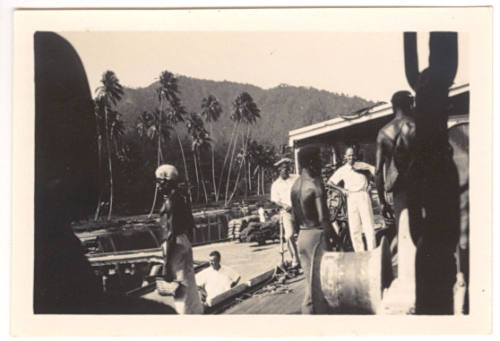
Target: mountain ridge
{"points": [[283, 107]]}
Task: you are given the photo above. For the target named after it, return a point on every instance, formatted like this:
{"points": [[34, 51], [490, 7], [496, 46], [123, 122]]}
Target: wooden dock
{"points": [[273, 298]]}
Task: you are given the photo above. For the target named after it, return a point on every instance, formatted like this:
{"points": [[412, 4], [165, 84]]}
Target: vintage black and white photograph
{"points": [[253, 172]]}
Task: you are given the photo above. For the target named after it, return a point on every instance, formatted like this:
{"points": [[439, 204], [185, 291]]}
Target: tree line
{"points": [[128, 157]]}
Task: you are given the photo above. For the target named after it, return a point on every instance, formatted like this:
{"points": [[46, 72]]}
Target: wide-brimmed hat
{"points": [[282, 161]]}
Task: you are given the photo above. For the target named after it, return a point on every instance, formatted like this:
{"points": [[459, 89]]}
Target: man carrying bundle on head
{"points": [[177, 223]]}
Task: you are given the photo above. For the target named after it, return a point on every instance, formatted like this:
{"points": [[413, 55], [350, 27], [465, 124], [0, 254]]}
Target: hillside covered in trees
{"points": [[222, 136], [283, 108]]}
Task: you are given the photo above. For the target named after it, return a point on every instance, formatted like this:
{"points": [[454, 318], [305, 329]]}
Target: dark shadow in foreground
{"points": [[66, 187]]}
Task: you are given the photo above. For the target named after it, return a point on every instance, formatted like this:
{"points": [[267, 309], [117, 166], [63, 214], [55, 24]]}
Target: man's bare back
{"points": [[394, 143], [305, 193]]}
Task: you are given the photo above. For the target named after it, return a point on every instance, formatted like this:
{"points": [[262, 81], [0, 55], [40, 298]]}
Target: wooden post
{"points": [[296, 155], [219, 229]]}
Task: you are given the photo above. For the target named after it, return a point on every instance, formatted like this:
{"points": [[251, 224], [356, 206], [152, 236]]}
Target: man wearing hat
{"points": [[177, 223], [281, 195]]}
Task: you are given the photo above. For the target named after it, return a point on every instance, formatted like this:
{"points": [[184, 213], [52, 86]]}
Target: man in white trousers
{"points": [[359, 205], [281, 195]]}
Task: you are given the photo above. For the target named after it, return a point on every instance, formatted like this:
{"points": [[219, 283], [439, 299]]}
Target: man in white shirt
{"points": [[359, 206], [217, 278], [281, 195]]}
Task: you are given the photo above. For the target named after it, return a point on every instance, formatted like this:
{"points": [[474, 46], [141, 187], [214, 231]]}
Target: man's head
{"points": [[310, 158], [283, 167], [215, 260], [350, 155], [166, 177], [402, 101]]}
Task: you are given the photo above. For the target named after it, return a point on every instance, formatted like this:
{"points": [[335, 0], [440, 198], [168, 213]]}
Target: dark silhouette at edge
{"points": [[66, 187]]}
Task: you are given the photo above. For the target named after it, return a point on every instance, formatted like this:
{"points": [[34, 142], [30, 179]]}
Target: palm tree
{"points": [[150, 125], [264, 158], [110, 92], [252, 158], [168, 94], [211, 110], [247, 112], [269, 157], [241, 159], [100, 132], [116, 129], [113, 128], [259, 155], [200, 139]]}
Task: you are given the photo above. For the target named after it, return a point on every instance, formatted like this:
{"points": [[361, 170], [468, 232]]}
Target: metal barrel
{"points": [[350, 282]]}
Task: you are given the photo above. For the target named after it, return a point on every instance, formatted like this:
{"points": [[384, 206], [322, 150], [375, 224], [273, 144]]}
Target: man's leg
{"points": [[406, 248], [293, 251], [289, 230], [402, 293], [306, 243], [354, 223], [367, 220], [187, 299]]}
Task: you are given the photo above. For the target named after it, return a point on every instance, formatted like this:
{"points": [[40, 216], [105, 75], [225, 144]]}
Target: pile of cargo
{"points": [[237, 226], [261, 232]]}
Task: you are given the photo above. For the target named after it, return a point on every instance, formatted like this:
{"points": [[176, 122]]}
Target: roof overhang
{"points": [[381, 114]]}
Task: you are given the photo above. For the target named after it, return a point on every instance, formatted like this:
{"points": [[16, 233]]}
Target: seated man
{"points": [[217, 278]]}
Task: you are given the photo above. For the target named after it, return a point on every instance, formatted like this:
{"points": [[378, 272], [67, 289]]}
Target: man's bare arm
{"points": [[168, 244], [323, 216], [235, 281], [337, 187], [379, 167], [379, 176], [364, 166]]}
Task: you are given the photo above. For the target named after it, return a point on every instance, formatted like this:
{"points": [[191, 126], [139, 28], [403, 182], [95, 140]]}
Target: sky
{"points": [[368, 65]]}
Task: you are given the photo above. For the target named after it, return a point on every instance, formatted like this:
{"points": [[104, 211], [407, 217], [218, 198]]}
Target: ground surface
{"points": [[272, 299]]}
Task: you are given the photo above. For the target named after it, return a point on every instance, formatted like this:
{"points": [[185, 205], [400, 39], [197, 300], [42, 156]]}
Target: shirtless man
{"points": [[394, 154], [177, 224], [311, 215]]}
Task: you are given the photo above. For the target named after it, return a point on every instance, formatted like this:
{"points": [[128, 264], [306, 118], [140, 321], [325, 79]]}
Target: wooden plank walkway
{"points": [[274, 298]]}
